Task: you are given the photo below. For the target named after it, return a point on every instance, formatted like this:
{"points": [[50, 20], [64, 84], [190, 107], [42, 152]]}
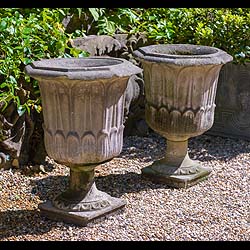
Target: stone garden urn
{"points": [[180, 89], [83, 102]]}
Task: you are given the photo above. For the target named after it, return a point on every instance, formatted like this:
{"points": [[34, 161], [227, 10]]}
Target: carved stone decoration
{"points": [[180, 88], [232, 117], [99, 45], [130, 43], [83, 103], [135, 95], [134, 111], [12, 133], [122, 46]]}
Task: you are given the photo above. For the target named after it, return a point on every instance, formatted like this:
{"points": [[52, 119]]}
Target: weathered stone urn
{"points": [[83, 105], [180, 88]]}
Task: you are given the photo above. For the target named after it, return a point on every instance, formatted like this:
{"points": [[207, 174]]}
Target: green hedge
{"points": [[225, 28]]}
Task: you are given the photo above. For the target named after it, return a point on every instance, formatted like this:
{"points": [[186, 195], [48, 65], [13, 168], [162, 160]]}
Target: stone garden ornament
{"points": [[180, 89], [83, 106]]}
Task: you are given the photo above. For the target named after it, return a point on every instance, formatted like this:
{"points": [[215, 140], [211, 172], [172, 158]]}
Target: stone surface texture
{"points": [[83, 108], [99, 45], [83, 103], [122, 46], [180, 89], [232, 117]]}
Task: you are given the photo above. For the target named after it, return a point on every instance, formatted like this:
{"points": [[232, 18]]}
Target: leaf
{"points": [[84, 54], [62, 12], [17, 100], [241, 55], [12, 79], [27, 30], [18, 47], [94, 13], [38, 108], [3, 85], [11, 30], [27, 61], [79, 12], [10, 50], [3, 25]]}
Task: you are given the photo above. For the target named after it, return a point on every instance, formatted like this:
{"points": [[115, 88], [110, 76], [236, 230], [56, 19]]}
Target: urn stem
{"points": [[176, 152], [81, 185], [81, 179]]}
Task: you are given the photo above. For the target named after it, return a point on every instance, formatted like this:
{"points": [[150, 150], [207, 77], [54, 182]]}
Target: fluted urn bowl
{"points": [[180, 89], [83, 102]]}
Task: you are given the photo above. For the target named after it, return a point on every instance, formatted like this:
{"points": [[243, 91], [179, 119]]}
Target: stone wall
{"points": [[232, 112]]}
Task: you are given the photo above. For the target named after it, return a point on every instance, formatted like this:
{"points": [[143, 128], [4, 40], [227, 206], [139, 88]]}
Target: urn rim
{"points": [[75, 64], [183, 54], [89, 68]]}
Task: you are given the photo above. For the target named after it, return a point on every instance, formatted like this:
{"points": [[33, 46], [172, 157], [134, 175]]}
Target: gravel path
{"points": [[215, 209]]}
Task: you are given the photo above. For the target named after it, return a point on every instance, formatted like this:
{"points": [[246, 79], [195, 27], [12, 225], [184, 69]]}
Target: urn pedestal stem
{"points": [[176, 168], [82, 194], [81, 181], [176, 152]]}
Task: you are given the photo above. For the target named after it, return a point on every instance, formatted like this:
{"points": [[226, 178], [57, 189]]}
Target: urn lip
{"points": [[75, 64], [183, 54], [93, 67]]}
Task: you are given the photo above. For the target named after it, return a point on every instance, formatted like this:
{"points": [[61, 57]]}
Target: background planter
{"points": [[232, 117], [83, 103], [180, 87]]}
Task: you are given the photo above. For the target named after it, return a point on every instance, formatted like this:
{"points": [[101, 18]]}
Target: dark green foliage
{"points": [[27, 35], [224, 28]]}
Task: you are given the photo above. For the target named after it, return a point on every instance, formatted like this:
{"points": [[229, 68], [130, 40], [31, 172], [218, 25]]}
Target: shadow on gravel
{"points": [[22, 222], [203, 147], [49, 187], [118, 184], [114, 184], [209, 147]]}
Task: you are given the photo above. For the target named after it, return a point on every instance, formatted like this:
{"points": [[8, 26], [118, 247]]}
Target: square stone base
{"points": [[79, 218], [176, 181]]}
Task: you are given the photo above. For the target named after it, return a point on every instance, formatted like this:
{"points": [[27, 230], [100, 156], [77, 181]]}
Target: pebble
{"points": [[215, 209]]}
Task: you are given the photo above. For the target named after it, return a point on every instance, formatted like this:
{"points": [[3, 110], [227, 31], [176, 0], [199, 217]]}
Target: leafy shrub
{"points": [[27, 35], [224, 28]]}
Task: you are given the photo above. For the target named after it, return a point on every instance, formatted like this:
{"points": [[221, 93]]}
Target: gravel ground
{"points": [[215, 209]]}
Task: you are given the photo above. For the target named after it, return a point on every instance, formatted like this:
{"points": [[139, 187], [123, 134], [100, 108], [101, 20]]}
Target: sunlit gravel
{"points": [[215, 209]]}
